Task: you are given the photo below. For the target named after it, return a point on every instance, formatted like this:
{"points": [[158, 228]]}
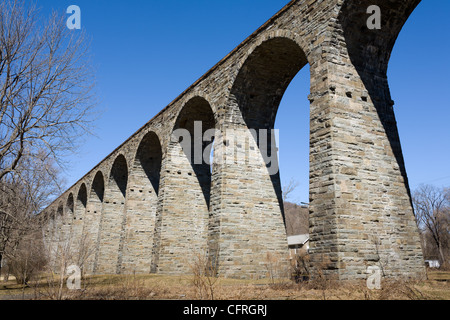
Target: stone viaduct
{"points": [[149, 208]]}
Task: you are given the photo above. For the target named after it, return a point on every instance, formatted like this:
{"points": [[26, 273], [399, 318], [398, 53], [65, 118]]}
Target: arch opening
{"points": [[142, 204], [67, 220], [259, 89], [250, 173], [187, 190], [263, 79], [98, 187], [112, 222], [70, 205], [82, 196], [91, 225], [196, 118], [148, 158], [61, 230], [118, 177]]}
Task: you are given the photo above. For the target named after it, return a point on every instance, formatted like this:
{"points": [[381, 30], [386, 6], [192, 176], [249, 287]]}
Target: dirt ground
{"points": [[157, 287]]}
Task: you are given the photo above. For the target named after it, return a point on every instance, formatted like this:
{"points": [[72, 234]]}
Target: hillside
{"points": [[297, 219]]}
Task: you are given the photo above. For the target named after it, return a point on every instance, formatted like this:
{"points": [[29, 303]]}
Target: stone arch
{"points": [[70, 204], [55, 217], [67, 220], [81, 202], [51, 232], [98, 187], [182, 227], [60, 232], [118, 177], [82, 195], [113, 218], [91, 225], [265, 38], [263, 78], [196, 110], [358, 186], [77, 237], [369, 51], [197, 94], [148, 159], [48, 221], [363, 115], [142, 204], [251, 195], [259, 87]]}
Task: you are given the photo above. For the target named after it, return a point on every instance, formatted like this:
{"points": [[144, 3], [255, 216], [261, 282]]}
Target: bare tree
{"points": [[289, 188], [22, 195], [25, 258], [46, 84], [296, 215], [432, 212], [46, 106]]}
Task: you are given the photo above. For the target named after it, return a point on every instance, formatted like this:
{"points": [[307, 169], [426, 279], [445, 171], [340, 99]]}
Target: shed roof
{"points": [[300, 239]]}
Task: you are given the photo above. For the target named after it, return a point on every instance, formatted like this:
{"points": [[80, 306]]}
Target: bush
{"points": [[27, 259]]}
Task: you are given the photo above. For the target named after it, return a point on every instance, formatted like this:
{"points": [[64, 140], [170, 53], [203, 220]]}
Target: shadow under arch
{"points": [[149, 157], [142, 205], [60, 229], [82, 195], [69, 205], [118, 177], [51, 222], [259, 88], [64, 218], [93, 217], [185, 190], [98, 187], [195, 118], [370, 50], [110, 236]]}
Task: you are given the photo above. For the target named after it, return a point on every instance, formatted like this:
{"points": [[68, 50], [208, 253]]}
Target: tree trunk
{"points": [[441, 255]]}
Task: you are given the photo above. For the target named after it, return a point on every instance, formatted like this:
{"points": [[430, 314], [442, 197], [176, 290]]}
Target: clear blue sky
{"points": [[147, 52]]}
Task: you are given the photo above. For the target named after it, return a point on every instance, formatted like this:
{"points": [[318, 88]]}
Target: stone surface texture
{"points": [[148, 208]]}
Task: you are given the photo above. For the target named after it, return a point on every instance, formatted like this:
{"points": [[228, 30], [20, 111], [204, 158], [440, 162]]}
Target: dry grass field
{"points": [[157, 287]]}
